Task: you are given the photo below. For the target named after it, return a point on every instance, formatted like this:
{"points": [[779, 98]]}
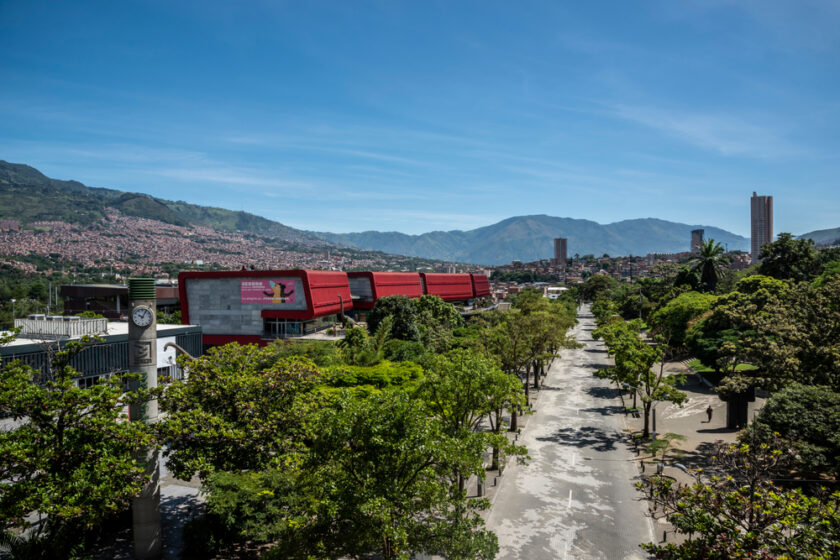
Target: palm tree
{"points": [[711, 260]]}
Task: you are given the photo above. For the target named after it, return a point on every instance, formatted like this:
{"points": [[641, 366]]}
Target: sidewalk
{"points": [[691, 422]]}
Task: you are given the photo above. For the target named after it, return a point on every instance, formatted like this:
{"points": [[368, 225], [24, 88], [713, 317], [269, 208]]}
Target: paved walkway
{"points": [[576, 498], [691, 422]]}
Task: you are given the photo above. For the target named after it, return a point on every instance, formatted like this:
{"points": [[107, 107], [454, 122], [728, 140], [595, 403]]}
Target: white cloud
{"points": [[727, 135]]}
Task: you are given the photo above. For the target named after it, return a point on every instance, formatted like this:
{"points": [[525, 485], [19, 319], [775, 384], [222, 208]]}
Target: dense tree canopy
{"points": [[809, 418], [789, 259], [741, 513], [403, 311], [242, 408], [672, 319], [597, 287], [377, 479], [69, 459]]}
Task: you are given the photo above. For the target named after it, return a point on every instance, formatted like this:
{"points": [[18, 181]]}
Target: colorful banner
{"points": [[267, 291]]}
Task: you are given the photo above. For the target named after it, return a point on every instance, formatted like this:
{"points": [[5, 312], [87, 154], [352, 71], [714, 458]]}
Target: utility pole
{"points": [[142, 359], [640, 302]]}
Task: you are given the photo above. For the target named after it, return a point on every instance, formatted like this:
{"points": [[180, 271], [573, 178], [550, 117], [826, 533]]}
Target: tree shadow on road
{"points": [[609, 410], [587, 436], [595, 350], [602, 392], [552, 388]]}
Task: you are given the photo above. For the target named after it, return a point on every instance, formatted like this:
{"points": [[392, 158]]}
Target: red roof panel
{"points": [[326, 292], [384, 284], [481, 285], [449, 287]]}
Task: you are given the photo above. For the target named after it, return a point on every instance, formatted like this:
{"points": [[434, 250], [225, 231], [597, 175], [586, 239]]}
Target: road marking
{"points": [[574, 456], [569, 505]]}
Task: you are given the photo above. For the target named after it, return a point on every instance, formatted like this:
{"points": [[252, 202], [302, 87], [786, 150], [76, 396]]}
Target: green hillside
{"points": [[29, 196], [823, 236]]}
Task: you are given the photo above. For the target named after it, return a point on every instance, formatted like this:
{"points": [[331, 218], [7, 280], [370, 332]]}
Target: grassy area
{"points": [[710, 372]]}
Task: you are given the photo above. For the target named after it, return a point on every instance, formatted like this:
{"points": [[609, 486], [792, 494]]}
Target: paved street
{"points": [[576, 498]]}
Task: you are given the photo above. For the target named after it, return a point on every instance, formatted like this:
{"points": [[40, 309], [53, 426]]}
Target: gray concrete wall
{"points": [[215, 304]]}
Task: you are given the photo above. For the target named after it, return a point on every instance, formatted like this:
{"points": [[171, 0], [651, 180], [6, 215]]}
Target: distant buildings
{"points": [[761, 224], [696, 240], [560, 244]]}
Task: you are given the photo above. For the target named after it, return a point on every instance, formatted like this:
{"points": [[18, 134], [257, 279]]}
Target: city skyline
{"points": [[418, 118]]}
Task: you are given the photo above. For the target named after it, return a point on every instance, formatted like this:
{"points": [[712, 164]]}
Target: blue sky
{"points": [[420, 116]]}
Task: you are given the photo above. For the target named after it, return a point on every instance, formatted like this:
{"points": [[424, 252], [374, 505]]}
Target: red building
{"points": [[257, 306], [449, 287]]}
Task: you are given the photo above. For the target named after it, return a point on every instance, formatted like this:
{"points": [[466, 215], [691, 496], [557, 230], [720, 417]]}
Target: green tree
{"points": [[809, 418], [731, 332], [461, 388], [634, 362], [403, 310], [830, 268], [404, 351], [742, 514], [379, 479], [597, 287], [673, 319], [789, 259], [357, 348], [69, 457], [173, 318], [788, 331], [508, 341], [436, 319], [711, 260], [241, 409], [433, 311]]}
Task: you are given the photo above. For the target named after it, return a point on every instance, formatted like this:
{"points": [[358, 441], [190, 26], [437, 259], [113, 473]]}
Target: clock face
{"points": [[142, 316]]}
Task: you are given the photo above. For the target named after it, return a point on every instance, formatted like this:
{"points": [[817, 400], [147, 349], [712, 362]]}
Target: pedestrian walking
{"points": [[709, 413]]}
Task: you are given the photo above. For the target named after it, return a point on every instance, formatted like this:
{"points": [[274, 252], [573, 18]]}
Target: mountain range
{"points": [[29, 196], [529, 238]]}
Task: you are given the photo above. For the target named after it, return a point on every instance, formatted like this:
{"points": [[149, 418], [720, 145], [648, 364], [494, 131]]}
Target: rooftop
{"points": [[113, 328]]}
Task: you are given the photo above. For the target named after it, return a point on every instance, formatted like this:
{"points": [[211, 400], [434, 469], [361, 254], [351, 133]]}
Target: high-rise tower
{"points": [[696, 240], [560, 252], [761, 224]]}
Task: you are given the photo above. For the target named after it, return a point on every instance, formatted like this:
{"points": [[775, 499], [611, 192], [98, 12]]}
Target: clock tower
{"points": [[142, 359]]}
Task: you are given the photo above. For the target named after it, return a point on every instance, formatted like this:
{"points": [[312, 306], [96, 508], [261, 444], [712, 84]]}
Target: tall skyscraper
{"points": [[560, 252], [761, 224], [696, 240]]}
